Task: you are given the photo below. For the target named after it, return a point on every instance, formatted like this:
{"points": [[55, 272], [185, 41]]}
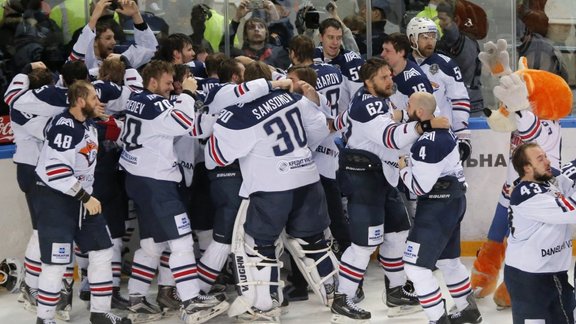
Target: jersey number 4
{"points": [[286, 136]]}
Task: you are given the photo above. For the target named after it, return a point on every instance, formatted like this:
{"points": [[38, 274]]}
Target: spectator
{"points": [[464, 50]]}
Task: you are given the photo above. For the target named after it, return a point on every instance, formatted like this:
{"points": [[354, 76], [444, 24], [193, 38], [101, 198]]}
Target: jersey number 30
{"points": [[286, 136]]}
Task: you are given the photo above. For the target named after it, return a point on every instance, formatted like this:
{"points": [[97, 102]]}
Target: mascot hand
{"points": [[495, 58], [512, 92]]}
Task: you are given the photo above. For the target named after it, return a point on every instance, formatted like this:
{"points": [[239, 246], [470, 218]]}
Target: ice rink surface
{"points": [[311, 311]]}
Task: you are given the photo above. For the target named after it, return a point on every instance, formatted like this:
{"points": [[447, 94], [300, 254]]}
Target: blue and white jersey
{"points": [[433, 156], [449, 90], [271, 137], [152, 122], [30, 111], [206, 84], [331, 84], [547, 133], [138, 54], [68, 156], [349, 64], [371, 128], [227, 94], [197, 68], [540, 239], [411, 79]]}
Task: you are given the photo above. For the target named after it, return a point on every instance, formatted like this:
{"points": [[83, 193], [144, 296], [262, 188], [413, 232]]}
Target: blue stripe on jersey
{"points": [[181, 118], [215, 153], [58, 171]]}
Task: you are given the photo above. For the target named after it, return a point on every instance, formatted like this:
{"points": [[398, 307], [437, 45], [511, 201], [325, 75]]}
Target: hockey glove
{"points": [[464, 148]]}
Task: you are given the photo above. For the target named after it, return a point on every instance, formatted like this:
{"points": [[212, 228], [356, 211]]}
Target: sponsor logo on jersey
{"points": [[434, 68], [129, 158], [556, 249], [375, 234], [411, 252], [413, 72]]}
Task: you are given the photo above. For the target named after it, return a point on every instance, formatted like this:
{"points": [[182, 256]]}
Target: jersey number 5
{"points": [[286, 136]]}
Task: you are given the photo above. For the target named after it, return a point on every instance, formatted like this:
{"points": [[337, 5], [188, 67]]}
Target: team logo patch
{"points": [[434, 68], [413, 72], [411, 252], [61, 253], [376, 234], [283, 167], [182, 224]]}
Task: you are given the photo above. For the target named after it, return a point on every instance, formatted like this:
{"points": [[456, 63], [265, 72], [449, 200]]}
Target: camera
{"points": [[312, 19], [256, 4], [115, 5]]}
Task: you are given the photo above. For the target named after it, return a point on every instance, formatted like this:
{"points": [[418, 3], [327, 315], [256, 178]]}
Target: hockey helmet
{"points": [[11, 274]]}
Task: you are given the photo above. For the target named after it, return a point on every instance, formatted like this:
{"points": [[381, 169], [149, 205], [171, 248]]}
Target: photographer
{"points": [[256, 44]]}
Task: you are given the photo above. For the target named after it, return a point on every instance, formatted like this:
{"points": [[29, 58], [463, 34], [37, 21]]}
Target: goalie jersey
{"points": [[152, 122], [270, 137], [68, 157], [540, 239]]}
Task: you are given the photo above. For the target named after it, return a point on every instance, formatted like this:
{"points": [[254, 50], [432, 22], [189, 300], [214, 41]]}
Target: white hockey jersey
{"points": [[540, 239], [547, 133], [271, 137], [433, 156], [29, 113], [138, 54], [68, 157], [449, 90], [152, 122], [349, 64], [371, 128]]}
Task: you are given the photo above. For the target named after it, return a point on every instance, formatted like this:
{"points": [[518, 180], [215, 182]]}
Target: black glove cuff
{"points": [[426, 126], [83, 196]]}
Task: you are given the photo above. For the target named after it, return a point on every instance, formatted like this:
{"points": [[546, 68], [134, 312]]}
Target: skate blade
{"points": [[403, 310], [340, 319], [144, 318], [204, 315]]}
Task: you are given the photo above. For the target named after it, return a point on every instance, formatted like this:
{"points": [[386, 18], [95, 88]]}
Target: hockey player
{"points": [[148, 157], [96, 42], [28, 136], [368, 171], [70, 213], [446, 78], [539, 250], [30, 112], [273, 135], [328, 81], [225, 181], [408, 78], [332, 52], [434, 173]]}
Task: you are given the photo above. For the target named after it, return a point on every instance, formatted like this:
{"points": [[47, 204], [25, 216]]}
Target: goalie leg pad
{"points": [[316, 262], [256, 268]]}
